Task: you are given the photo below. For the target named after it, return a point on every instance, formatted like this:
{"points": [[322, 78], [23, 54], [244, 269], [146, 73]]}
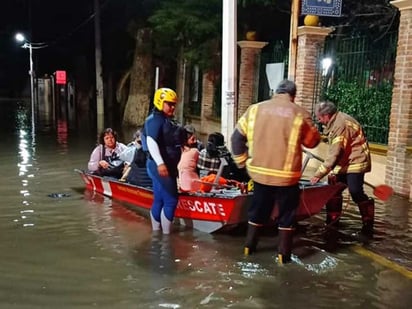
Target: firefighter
{"points": [[268, 140], [348, 160]]}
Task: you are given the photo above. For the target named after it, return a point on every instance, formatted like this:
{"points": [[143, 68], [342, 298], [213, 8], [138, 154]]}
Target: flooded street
{"points": [[64, 247]]}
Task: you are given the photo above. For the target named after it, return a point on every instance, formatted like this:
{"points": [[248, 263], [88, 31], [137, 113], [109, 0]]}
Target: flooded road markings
{"points": [[382, 261]]}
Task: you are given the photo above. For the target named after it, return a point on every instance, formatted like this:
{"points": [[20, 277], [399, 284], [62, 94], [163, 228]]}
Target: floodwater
{"points": [[64, 247]]}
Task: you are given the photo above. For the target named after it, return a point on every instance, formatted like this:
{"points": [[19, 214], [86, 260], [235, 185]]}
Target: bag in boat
{"points": [[114, 170], [205, 187]]}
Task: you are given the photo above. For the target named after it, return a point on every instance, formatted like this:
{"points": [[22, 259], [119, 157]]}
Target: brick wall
{"points": [[248, 74], [310, 40], [399, 162]]}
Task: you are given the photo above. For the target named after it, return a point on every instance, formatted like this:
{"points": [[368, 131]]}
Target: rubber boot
{"points": [[166, 223], [334, 211], [285, 245], [155, 223], [252, 238], [367, 211]]}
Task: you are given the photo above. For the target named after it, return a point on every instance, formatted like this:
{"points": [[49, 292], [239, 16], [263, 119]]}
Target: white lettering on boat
{"points": [[205, 207]]}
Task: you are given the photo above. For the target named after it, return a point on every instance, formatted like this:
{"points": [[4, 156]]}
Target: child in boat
{"points": [[198, 143], [104, 159], [135, 158], [127, 155], [187, 168], [210, 159]]}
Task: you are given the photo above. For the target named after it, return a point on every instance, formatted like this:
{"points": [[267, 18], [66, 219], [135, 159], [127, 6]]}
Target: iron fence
{"points": [[357, 74]]}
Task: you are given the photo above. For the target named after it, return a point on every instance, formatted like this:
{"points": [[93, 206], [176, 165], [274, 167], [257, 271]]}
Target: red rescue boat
{"points": [[208, 212]]}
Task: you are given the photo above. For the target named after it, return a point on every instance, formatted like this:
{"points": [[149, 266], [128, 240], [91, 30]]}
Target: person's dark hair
{"points": [[190, 129], [286, 86], [326, 108], [106, 132], [137, 133], [214, 141]]}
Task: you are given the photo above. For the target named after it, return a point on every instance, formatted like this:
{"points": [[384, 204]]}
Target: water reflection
{"points": [[62, 135], [86, 250], [26, 147]]}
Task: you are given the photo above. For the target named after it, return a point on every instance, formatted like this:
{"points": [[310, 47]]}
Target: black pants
{"points": [[355, 182], [264, 199]]}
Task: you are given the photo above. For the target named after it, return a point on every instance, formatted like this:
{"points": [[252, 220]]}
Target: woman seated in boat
{"points": [[198, 143], [187, 167], [135, 158], [104, 159], [210, 159]]}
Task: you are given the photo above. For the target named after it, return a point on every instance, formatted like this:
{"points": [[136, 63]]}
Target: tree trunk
{"points": [[141, 81]]}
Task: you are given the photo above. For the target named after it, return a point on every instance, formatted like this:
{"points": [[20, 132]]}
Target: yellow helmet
{"points": [[162, 95]]}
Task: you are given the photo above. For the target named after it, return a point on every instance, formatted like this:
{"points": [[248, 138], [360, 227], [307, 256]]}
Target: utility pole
{"points": [[98, 59], [33, 100], [229, 68], [293, 39]]}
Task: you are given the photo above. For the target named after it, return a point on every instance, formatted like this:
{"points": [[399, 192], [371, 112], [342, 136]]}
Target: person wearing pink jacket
{"points": [[187, 168]]}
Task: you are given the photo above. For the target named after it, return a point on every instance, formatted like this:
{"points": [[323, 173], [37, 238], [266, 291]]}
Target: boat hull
{"points": [[208, 212]]}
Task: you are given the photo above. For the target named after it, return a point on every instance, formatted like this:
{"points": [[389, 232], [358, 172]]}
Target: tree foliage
{"points": [[367, 17], [195, 26]]}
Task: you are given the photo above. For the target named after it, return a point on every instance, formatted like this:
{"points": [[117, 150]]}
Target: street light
{"points": [[30, 45]]}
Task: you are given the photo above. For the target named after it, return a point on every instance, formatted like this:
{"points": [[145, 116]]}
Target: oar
{"points": [[382, 192]]}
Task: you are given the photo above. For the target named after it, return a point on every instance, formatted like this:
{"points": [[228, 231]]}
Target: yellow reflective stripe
{"points": [[353, 168], [250, 126], [340, 139], [352, 125], [336, 169], [242, 123], [240, 158], [357, 167], [323, 169], [274, 172], [293, 138]]}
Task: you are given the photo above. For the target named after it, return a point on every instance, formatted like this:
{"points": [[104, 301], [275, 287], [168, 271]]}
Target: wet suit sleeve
{"points": [[154, 130], [154, 151]]}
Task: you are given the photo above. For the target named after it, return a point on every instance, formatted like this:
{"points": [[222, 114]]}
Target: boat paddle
{"points": [[382, 192]]}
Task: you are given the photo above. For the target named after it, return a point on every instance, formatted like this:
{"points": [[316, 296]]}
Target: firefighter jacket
{"points": [[268, 139], [348, 147]]}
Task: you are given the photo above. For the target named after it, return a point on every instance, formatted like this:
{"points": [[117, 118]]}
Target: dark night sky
{"points": [[66, 26], [54, 22]]}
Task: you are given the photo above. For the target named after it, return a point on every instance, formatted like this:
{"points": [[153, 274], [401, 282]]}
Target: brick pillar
{"points": [[248, 74], [208, 89], [398, 160], [310, 41]]}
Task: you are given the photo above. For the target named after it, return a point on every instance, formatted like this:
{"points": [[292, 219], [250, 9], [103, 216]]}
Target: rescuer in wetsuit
{"points": [[162, 140]]}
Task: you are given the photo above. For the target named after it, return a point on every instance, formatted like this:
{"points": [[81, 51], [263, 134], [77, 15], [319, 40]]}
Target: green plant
{"points": [[370, 105]]}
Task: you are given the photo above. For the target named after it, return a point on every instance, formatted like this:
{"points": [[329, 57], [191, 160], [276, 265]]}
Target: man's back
{"points": [[275, 131]]}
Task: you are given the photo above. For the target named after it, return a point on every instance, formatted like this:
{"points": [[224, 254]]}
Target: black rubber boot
{"points": [[334, 211], [252, 238], [285, 245], [367, 211]]}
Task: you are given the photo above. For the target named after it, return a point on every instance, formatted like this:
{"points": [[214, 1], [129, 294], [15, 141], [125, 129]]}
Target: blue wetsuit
{"points": [[168, 136]]}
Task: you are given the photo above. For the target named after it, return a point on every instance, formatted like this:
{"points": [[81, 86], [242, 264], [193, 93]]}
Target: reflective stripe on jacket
{"points": [[348, 147], [268, 139]]}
